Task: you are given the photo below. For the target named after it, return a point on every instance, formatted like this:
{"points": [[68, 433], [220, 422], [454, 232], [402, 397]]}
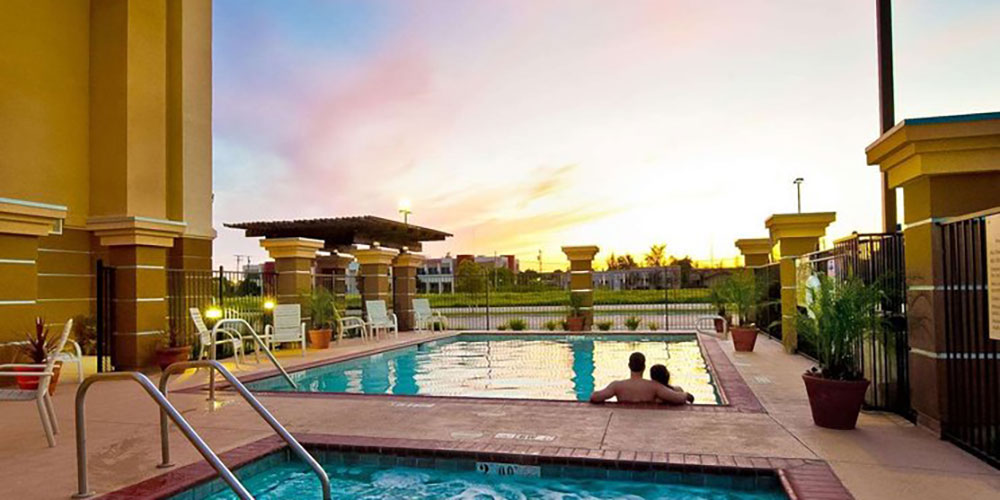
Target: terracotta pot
{"points": [[575, 323], [744, 338], [720, 325], [320, 339], [835, 404], [31, 383], [166, 356]]}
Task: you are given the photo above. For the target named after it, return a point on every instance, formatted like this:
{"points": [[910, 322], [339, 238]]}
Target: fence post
{"points": [[101, 298], [487, 304], [221, 292]]}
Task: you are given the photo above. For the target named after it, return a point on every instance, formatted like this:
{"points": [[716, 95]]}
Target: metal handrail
{"points": [[698, 326], [252, 401], [166, 410], [260, 343]]}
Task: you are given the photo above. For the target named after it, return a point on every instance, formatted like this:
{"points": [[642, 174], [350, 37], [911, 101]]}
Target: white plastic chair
{"points": [[40, 395], [379, 319], [205, 336], [288, 327], [73, 355], [348, 323], [424, 317]]}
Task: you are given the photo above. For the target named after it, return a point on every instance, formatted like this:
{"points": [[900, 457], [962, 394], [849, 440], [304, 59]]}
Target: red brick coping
{"points": [[736, 394], [801, 479]]}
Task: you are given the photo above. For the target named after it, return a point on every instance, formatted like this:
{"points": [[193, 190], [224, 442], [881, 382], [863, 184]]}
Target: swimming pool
{"points": [[356, 475], [555, 367]]}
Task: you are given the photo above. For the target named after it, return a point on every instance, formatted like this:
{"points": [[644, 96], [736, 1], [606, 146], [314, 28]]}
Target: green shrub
{"points": [[551, 325], [564, 324], [502, 327], [842, 316], [517, 324], [603, 325], [653, 326], [632, 323]]}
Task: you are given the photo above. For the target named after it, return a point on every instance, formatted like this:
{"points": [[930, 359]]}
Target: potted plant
{"points": [[839, 317], [37, 347], [574, 322], [742, 291], [632, 323], [321, 311], [715, 297], [176, 349]]}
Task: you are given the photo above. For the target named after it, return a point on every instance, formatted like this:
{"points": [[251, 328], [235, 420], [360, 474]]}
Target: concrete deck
{"points": [[886, 457]]}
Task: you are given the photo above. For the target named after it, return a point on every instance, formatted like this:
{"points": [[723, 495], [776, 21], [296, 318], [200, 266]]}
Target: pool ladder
{"points": [[168, 411]]}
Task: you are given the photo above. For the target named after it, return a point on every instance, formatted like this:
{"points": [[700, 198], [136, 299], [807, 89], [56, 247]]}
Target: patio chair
{"points": [[380, 320], [228, 336], [39, 395], [423, 317], [72, 354], [288, 327], [348, 323]]}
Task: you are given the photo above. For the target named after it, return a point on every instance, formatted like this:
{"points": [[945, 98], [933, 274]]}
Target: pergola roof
{"points": [[341, 232]]}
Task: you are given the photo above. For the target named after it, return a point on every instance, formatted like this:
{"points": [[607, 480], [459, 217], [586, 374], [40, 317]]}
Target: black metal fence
{"points": [[876, 259], [973, 363], [105, 321], [768, 314], [236, 294]]}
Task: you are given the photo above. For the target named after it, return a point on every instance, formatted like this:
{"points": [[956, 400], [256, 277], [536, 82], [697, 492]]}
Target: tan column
{"points": [[756, 251], [404, 287], [947, 167], [581, 279], [373, 281], [293, 261], [793, 235], [137, 249], [22, 224]]}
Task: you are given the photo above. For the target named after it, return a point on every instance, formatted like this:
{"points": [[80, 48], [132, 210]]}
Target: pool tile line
{"points": [[802, 479]]}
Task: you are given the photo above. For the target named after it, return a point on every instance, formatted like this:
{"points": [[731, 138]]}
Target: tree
{"points": [[470, 278], [685, 264], [626, 262], [656, 257]]}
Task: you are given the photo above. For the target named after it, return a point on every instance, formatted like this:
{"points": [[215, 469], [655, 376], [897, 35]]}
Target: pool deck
{"points": [[886, 457]]}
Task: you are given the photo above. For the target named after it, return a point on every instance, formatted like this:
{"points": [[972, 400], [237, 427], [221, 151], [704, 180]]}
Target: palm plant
{"points": [[840, 316], [321, 309], [742, 291]]}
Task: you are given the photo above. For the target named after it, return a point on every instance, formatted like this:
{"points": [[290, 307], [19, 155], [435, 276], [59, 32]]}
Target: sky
{"points": [[523, 126]]}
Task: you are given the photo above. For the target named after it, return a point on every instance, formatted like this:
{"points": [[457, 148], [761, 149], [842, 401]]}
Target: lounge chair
{"points": [[228, 336], [288, 327], [380, 320], [423, 317], [40, 395], [348, 323]]}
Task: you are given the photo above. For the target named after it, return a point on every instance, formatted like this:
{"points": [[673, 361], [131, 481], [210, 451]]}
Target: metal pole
{"points": [[886, 99], [100, 327], [798, 191]]}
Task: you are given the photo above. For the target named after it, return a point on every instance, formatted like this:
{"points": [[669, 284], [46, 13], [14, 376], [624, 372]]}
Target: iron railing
{"points": [[105, 320], [767, 316], [972, 358]]}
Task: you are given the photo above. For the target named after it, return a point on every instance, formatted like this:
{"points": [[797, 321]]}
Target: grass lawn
{"points": [[556, 297]]}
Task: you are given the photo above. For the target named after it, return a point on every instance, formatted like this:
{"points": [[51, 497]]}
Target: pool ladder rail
{"points": [[223, 324], [168, 411]]}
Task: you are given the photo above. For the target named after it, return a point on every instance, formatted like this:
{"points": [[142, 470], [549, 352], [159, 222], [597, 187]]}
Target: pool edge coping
{"points": [[799, 478]]}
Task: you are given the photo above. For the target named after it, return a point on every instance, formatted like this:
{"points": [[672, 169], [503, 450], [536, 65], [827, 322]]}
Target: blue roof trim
{"points": [[995, 115]]}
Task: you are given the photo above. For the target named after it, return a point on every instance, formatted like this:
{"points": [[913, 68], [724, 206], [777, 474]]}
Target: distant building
{"points": [[437, 275]]}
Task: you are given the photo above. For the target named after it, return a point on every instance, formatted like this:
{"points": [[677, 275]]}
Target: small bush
{"points": [[502, 327], [564, 324], [551, 325], [653, 326], [517, 324], [632, 323], [603, 325]]}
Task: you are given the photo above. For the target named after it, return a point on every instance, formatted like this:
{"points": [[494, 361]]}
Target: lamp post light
{"points": [[405, 210], [798, 190]]}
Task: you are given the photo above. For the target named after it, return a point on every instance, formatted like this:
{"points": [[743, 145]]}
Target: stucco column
{"points": [[404, 287], [335, 266], [581, 279], [756, 251], [793, 235], [22, 224], [947, 166], [293, 261], [137, 249], [374, 273]]}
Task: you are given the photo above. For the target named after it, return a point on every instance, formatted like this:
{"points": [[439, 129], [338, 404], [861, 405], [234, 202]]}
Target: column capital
{"points": [[581, 252], [799, 225], [375, 255], [335, 260], [284, 248], [960, 144], [754, 246], [29, 218], [408, 259], [134, 230]]}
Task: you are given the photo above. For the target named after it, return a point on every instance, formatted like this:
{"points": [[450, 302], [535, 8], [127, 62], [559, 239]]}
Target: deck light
{"points": [[213, 313], [268, 305]]}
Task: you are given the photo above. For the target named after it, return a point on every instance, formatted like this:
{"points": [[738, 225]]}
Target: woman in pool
{"points": [[659, 373]]}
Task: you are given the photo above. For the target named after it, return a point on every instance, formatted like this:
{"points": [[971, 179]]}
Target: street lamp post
{"points": [[798, 191], [405, 210]]}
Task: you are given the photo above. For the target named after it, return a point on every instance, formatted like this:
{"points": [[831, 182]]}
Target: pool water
{"points": [[560, 367], [294, 481]]}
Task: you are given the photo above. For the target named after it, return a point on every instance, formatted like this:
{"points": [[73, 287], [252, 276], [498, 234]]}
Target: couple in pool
{"points": [[636, 389]]}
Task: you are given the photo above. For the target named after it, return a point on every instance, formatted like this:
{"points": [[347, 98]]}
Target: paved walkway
{"points": [[886, 457]]}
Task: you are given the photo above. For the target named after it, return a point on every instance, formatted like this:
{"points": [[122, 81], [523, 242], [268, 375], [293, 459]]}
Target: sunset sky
{"points": [[527, 125]]}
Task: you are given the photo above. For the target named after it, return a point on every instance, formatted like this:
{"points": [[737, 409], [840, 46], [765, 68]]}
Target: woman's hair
{"points": [[659, 373]]}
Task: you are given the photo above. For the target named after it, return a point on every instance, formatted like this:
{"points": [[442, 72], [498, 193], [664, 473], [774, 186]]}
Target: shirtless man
{"points": [[636, 389]]}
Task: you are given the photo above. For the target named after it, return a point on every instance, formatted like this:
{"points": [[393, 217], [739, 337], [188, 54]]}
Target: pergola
{"points": [[294, 245], [341, 233]]}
